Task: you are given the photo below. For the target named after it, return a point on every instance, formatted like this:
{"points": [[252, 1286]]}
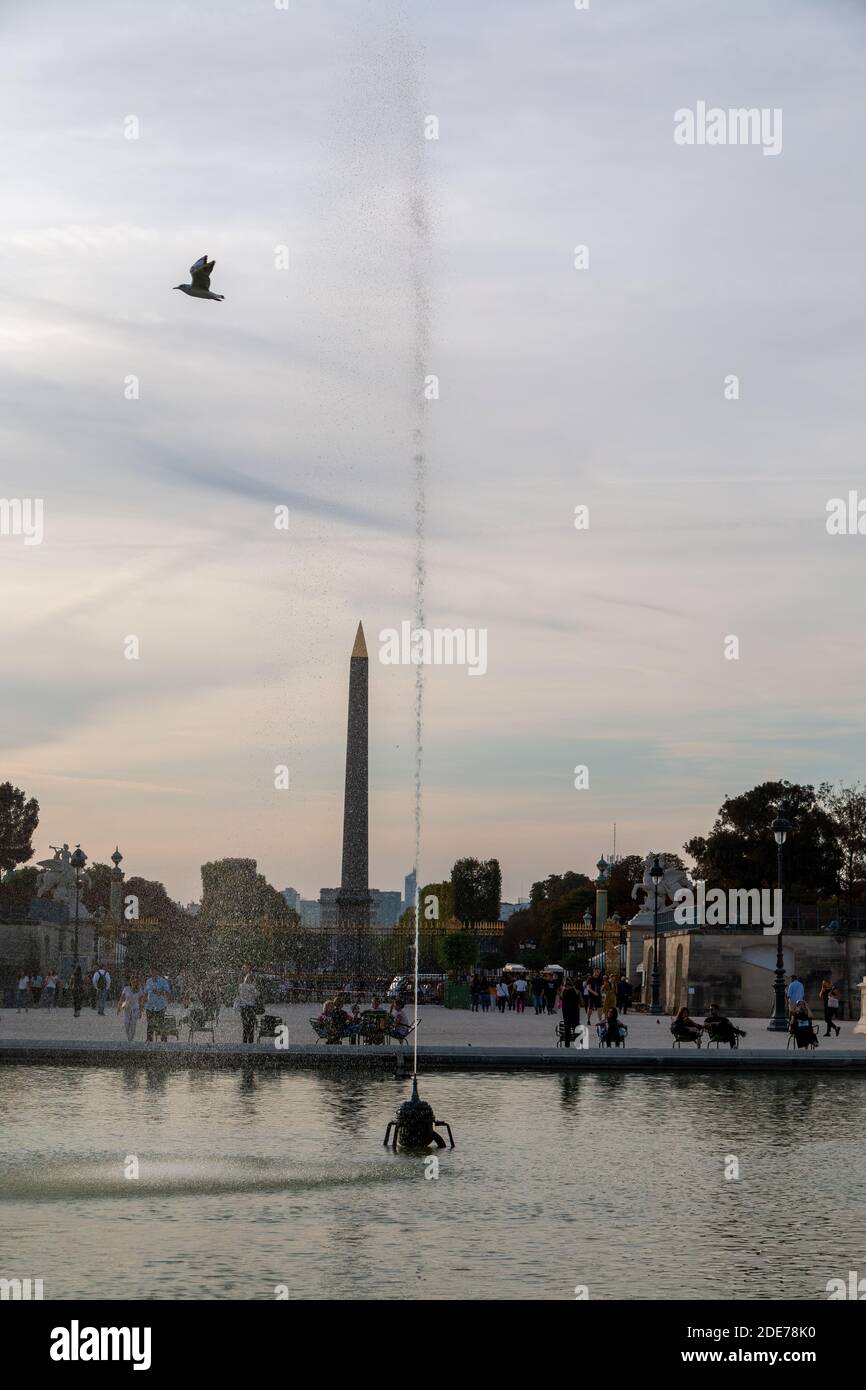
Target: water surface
{"points": [[249, 1181]]}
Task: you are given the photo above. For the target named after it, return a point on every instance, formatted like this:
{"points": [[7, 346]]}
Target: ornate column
{"points": [[860, 1027], [115, 910]]}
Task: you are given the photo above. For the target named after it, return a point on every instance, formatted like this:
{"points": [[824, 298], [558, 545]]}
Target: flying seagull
{"points": [[200, 287]]}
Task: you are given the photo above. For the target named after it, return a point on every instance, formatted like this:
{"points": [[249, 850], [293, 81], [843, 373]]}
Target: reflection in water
{"points": [[252, 1179]]}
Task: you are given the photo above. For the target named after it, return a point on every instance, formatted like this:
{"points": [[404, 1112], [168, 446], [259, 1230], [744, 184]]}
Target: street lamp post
{"points": [[657, 873], [77, 859], [778, 1023]]}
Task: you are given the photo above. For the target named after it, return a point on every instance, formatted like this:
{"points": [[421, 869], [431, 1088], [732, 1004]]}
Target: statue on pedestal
{"points": [[674, 878], [57, 881]]}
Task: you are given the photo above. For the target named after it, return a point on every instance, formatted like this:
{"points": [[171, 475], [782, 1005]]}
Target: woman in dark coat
{"points": [[570, 1011]]}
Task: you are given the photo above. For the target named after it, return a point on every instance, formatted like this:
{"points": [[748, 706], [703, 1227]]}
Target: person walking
{"points": [[475, 993], [592, 995], [156, 991], [49, 993], [101, 986], [570, 1012], [247, 996], [77, 991], [23, 993], [520, 994], [795, 993], [538, 993], [551, 994], [623, 994], [36, 989], [129, 1004], [484, 997], [502, 995], [829, 996]]}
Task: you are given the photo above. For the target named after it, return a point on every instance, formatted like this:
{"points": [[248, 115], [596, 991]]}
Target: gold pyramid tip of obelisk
{"points": [[360, 647]]}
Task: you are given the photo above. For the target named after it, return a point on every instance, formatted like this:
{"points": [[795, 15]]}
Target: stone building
{"points": [[735, 969]]}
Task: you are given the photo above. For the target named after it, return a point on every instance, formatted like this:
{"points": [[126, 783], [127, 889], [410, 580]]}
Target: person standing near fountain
{"points": [[23, 993], [129, 1004], [77, 991], [570, 1011], [101, 986], [247, 996], [156, 988]]}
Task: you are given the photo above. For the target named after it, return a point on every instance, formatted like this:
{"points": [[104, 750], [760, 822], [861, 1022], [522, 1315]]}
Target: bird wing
{"points": [[200, 271]]}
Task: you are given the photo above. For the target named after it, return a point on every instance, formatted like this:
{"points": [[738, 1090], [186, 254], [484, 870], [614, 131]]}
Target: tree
{"points": [[154, 904], [740, 851], [234, 894], [624, 875], [18, 820], [476, 885], [458, 951], [846, 806], [17, 891], [96, 890], [443, 906]]}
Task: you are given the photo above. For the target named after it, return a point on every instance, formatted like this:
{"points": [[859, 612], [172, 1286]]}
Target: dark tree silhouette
{"points": [[18, 820]]}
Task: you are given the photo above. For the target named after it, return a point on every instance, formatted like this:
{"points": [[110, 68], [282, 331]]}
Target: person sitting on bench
{"points": [[802, 1026], [721, 1027], [685, 1028]]}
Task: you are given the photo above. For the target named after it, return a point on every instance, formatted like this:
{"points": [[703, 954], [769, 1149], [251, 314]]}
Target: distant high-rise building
{"points": [[293, 898], [384, 908], [410, 888], [328, 908], [507, 910], [310, 913]]}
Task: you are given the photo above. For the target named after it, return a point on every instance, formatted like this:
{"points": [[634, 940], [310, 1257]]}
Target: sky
{"points": [[161, 432]]}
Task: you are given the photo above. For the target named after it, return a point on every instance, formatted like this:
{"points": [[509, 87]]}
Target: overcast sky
{"points": [[261, 128]]}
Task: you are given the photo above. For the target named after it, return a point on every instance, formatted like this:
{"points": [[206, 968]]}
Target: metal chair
{"points": [[600, 1030], [680, 1038], [198, 1020]]}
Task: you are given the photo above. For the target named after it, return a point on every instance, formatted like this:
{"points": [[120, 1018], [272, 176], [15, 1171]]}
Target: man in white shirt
{"points": [[519, 994], [23, 993], [102, 984], [49, 993]]}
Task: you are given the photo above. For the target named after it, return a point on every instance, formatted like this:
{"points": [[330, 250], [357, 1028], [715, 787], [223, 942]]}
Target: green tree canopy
{"points": [[19, 818], [740, 851], [846, 807], [458, 951], [476, 885], [234, 894], [442, 909]]}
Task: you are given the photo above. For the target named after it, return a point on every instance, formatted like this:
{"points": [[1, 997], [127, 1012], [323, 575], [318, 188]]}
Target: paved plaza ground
{"points": [[439, 1027]]}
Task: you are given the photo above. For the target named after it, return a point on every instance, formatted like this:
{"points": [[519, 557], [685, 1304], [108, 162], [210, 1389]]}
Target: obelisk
{"points": [[353, 898]]}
